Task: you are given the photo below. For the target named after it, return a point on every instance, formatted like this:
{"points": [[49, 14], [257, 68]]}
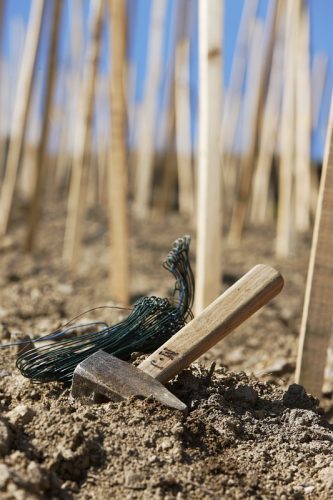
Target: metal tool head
{"points": [[106, 375]]}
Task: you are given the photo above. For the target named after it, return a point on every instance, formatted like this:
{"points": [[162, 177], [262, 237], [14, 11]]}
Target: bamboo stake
{"points": [[287, 134], [51, 72], [303, 126], [20, 114], [317, 320], [117, 179], [183, 129], [82, 139], [144, 167], [209, 207]]}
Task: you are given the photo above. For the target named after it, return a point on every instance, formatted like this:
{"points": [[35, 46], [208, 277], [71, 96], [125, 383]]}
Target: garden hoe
{"points": [[102, 374]]}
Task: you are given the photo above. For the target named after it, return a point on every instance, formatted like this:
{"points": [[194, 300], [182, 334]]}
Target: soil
{"points": [[250, 431]]}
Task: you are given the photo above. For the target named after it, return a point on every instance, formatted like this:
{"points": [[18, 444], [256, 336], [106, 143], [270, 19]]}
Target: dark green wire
{"points": [[152, 321]]}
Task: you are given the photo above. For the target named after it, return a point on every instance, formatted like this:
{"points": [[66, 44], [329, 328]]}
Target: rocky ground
{"points": [[250, 432]]}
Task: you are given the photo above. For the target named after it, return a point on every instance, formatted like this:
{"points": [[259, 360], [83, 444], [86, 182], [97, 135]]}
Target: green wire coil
{"points": [[152, 321]]}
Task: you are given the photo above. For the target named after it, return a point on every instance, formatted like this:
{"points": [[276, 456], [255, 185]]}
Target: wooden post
{"points": [[117, 178], [102, 135], [318, 80], [20, 114], [249, 129], [51, 72], [144, 167], [269, 127], [183, 129], [258, 70], [209, 207], [303, 125], [232, 100], [285, 226], [71, 91], [76, 196], [317, 320]]}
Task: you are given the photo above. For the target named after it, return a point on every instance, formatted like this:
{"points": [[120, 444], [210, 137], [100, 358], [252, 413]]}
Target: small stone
{"points": [[260, 414], [3, 312], [296, 397], [5, 438], [134, 481], [5, 475], [65, 288], [70, 486], [244, 394], [166, 444], [37, 476], [177, 429], [21, 415]]}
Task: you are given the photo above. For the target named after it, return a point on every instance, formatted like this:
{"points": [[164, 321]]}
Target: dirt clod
{"points": [[5, 437]]}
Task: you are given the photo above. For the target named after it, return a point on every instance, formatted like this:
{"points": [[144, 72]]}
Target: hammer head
{"points": [[104, 375]]}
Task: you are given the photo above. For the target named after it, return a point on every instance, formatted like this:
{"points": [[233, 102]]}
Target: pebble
{"points": [[296, 397], [134, 481], [37, 476], [5, 475], [21, 415], [5, 438], [245, 394]]}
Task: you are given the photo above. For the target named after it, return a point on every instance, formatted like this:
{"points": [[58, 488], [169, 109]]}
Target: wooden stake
{"points": [[51, 72], [76, 197], [269, 127], [117, 179], [231, 108], [317, 320], [183, 129], [20, 114], [72, 92], [303, 126], [250, 116], [318, 80], [258, 71], [287, 137], [209, 207], [144, 168]]}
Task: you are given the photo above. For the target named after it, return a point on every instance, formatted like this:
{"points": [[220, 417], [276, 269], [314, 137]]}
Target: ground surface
{"points": [[249, 433]]}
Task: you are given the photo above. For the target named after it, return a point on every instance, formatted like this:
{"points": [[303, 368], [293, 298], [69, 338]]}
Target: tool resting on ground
{"points": [[106, 375]]}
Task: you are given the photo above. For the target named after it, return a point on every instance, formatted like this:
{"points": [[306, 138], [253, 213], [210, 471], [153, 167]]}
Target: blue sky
{"points": [[139, 11]]}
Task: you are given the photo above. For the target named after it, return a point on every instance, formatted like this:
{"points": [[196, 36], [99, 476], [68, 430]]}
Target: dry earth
{"points": [[250, 433]]}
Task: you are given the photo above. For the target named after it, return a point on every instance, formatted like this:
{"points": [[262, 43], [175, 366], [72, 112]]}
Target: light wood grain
{"points": [[209, 197], [183, 128], [303, 126], [317, 320], [227, 312], [285, 214], [117, 174]]}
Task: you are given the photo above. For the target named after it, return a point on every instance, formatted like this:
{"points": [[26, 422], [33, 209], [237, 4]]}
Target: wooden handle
{"points": [[239, 302]]}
